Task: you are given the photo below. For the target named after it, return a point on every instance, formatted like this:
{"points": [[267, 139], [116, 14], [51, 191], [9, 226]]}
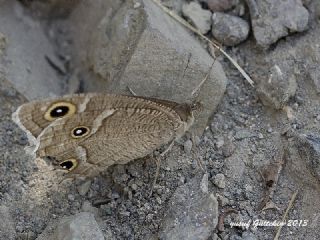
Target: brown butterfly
{"points": [[84, 134]]}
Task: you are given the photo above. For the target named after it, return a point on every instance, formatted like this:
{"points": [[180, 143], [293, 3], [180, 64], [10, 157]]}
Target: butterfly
{"points": [[84, 134]]}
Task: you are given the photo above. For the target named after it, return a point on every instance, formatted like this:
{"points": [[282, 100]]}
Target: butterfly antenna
{"points": [[196, 91]]}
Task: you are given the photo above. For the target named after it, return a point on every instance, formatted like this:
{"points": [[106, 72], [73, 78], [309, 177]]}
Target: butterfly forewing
{"points": [[99, 130]]}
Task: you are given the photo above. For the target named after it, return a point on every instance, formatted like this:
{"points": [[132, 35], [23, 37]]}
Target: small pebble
{"points": [[158, 199], [204, 183], [84, 188], [295, 106], [199, 17], [228, 148], [115, 195], [182, 179], [220, 6], [197, 140], [71, 197], [219, 180], [125, 213], [134, 186], [136, 5], [229, 30], [187, 146], [220, 142]]}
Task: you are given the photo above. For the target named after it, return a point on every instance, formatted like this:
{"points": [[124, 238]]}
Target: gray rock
{"points": [[229, 30], [219, 180], [228, 148], [26, 49], [192, 214], [220, 142], [248, 236], [215, 237], [175, 5], [199, 17], [84, 188], [80, 226], [7, 225], [273, 19], [87, 207], [52, 8], [187, 146], [309, 147], [151, 53], [311, 56], [204, 185], [277, 90], [220, 6], [243, 134], [235, 164]]}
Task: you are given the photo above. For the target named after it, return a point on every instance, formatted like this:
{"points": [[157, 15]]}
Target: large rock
{"points": [[7, 229], [229, 30], [140, 47], [80, 226], [309, 147], [278, 88], [220, 6], [198, 16], [192, 213], [292, 62], [273, 19], [25, 50]]}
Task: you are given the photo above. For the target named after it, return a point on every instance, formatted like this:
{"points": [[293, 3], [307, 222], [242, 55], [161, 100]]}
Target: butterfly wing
{"points": [[34, 117], [94, 140]]}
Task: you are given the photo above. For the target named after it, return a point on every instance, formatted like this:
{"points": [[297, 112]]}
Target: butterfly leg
{"points": [[167, 149], [158, 162], [196, 153]]}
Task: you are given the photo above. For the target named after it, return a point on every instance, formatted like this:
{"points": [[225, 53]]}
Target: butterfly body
{"points": [[87, 133]]}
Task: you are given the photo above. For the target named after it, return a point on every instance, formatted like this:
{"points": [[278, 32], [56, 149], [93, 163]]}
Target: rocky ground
{"points": [[255, 162]]}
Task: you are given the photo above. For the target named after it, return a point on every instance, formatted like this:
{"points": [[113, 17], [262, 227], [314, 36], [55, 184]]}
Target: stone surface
{"points": [[175, 5], [80, 226], [84, 187], [309, 147], [297, 59], [220, 6], [273, 19], [277, 90], [187, 146], [219, 180], [229, 30], [51, 8], [198, 16], [310, 55], [191, 214], [152, 54], [7, 225], [24, 60], [300, 173]]}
